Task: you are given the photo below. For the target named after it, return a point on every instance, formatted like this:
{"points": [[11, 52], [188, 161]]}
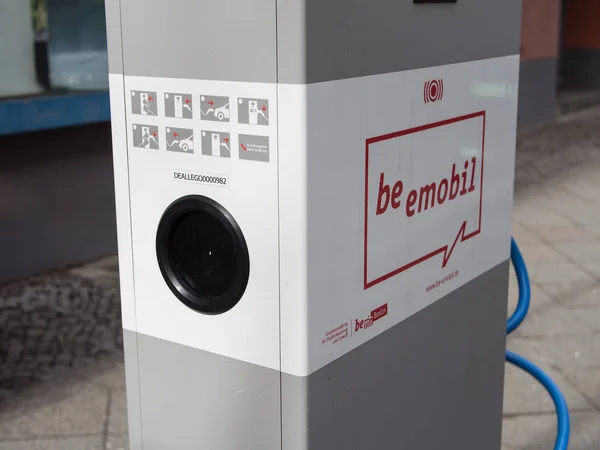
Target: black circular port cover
{"points": [[202, 254]]}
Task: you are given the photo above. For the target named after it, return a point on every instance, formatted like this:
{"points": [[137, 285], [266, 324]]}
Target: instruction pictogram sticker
{"points": [[144, 103], [214, 108], [178, 106], [145, 136], [253, 111], [254, 148], [180, 140], [411, 184], [216, 143]]}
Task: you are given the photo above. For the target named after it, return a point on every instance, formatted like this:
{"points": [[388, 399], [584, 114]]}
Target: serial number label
{"points": [[202, 178]]}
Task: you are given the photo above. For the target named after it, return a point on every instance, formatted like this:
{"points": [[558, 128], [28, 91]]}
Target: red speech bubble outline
{"points": [[446, 250]]}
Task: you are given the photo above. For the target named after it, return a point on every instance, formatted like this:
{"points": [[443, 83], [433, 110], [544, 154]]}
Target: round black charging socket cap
{"points": [[202, 254]]}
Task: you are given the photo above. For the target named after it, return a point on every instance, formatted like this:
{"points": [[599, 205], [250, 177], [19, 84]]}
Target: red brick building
{"points": [[560, 50]]}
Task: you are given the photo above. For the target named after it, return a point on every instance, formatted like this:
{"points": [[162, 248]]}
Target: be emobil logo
{"points": [[374, 316], [413, 189]]}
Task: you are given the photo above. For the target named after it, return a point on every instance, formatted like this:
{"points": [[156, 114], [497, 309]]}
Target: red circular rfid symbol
{"points": [[433, 91]]}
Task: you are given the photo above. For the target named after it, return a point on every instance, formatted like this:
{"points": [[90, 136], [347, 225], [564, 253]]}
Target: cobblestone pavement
{"points": [[61, 374]]}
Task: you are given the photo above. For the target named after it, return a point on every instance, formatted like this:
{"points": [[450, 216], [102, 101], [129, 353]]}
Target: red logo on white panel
{"points": [[374, 316], [423, 194], [433, 91]]}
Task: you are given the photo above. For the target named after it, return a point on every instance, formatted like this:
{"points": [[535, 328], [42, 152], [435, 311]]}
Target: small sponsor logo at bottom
{"points": [[374, 316], [336, 334]]}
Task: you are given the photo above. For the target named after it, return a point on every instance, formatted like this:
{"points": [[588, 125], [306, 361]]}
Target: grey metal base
{"points": [[435, 381], [537, 91]]}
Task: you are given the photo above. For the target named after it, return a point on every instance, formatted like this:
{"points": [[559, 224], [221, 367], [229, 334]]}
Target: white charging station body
{"points": [[371, 181]]}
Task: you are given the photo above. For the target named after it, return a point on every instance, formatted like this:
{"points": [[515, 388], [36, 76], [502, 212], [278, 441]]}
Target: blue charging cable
{"points": [[562, 410]]}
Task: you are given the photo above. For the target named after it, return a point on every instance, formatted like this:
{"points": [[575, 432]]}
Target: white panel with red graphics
{"points": [[395, 190]]}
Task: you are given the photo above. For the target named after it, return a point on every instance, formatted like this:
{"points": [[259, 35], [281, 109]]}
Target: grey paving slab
{"points": [[68, 443], [539, 432], [587, 382], [581, 295], [565, 234], [591, 319], [531, 215], [593, 268], [524, 236], [581, 252], [71, 408], [569, 353], [108, 373], [118, 442], [117, 416], [524, 395], [540, 253], [53, 321], [566, 273], [584, 215], [593, 229], [586, 189], [569, 205], [554, 195], [554, 321]]}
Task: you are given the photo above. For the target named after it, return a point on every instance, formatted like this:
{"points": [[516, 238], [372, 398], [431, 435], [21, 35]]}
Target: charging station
{"points": [[314, 207]]}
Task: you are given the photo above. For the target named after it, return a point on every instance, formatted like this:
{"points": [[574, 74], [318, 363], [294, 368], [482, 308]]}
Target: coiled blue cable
{"points": [[524, 288], [562, 410]]}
